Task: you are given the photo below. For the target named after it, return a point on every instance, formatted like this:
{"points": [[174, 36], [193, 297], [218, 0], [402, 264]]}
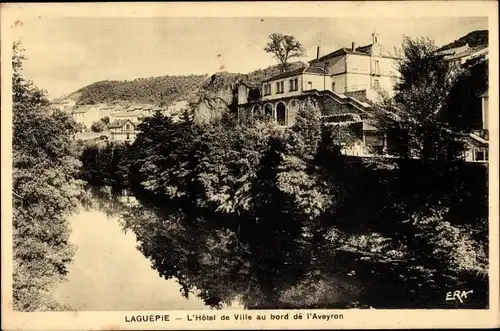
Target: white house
{"points": [[86, 115], [366, 68]]}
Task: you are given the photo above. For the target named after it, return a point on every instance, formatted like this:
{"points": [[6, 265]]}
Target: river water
{"points": [[109, 273], [222, 263]]}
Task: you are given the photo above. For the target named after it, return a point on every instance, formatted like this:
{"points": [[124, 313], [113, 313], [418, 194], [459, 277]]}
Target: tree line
{"points": [[44, 190]]}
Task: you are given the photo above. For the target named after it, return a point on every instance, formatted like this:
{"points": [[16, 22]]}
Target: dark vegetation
{"points": [[44, 192], [474, 38]]}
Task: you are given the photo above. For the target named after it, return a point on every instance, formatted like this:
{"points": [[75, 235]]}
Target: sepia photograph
{"points": [[256, 163]]}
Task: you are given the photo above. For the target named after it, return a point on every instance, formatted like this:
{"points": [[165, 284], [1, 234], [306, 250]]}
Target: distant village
{"points": [[116, 121], [343, 84]]}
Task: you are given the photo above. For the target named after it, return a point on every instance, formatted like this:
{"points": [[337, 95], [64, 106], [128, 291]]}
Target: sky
{"points": [[67, 53]]}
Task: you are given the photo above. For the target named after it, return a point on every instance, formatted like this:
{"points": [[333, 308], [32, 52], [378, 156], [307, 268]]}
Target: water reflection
{"points": [[171, 260], [108, 272], [261, 266]]}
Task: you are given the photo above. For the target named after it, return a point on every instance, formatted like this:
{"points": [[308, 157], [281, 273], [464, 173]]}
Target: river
{"points": [[170, 260], [109, 273]]}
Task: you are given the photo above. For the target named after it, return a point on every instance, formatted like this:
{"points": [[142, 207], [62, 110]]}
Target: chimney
{"points": [[353, 47], [317, 52]]}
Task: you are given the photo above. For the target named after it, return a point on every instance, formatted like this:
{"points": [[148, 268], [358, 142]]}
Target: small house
{"points": [[123, 130]]}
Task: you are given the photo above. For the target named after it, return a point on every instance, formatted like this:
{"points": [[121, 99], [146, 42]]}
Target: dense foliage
{"points": [[278, 218], [156, 90], [284, 47], [474, 38], [464, 107], [44, 193], [413, 117]]}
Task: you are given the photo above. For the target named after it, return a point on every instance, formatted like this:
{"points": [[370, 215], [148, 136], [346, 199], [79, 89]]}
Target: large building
{"points": [[341, 84], [367, 68]]}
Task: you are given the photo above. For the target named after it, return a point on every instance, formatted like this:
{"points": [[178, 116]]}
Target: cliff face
{"points": [[215, 97]]}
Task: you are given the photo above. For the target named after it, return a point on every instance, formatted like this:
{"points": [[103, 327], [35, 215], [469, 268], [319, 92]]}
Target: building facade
{"points": [[341, 84], [86, 115], [367, 68], [123, 130]]}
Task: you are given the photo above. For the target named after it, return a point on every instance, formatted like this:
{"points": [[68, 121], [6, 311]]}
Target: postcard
{"points": [[250, 165]]}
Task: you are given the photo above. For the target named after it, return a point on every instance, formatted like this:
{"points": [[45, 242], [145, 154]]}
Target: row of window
{"points": [[293, 85]]}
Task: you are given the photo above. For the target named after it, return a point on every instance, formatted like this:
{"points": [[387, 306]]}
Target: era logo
{"points": [[460, 295]]}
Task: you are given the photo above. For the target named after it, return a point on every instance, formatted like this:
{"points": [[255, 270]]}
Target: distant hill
{"points": [[165, 90], [474, 38]]}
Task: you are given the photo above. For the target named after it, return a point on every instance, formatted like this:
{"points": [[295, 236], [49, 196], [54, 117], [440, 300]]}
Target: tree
{"points": [[464, 109], [422, 93], [284, 47], [98, 126], [44, 192], [105, 120]]}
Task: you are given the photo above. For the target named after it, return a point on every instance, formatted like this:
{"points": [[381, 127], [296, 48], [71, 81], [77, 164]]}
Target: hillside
{"points": [[165, 90], [474, 38]]}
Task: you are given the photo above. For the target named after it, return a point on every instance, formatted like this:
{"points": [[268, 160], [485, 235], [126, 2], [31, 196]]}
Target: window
{"points": [[128, 136], [281, 113], [292, 103], [333, 86], [376, 84], [127, 126], [291, 85], [267, 89], [309, 85], [376, 67], [280, 87], [296, 83]]}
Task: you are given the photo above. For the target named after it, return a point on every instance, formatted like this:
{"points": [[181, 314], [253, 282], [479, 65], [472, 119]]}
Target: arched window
{"points": [[281, 113], [257, 111], [268, 110]]}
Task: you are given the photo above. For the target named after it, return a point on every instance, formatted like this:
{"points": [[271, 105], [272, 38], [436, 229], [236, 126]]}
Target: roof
{"points": [[250, 84], [286, 74], [365, 49], [466, 52], [476, 140], [119, 123], [90, 135], [338, 52], [453, 50], [82, 110], [315, 70], [362, 50], [127, 114]]}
